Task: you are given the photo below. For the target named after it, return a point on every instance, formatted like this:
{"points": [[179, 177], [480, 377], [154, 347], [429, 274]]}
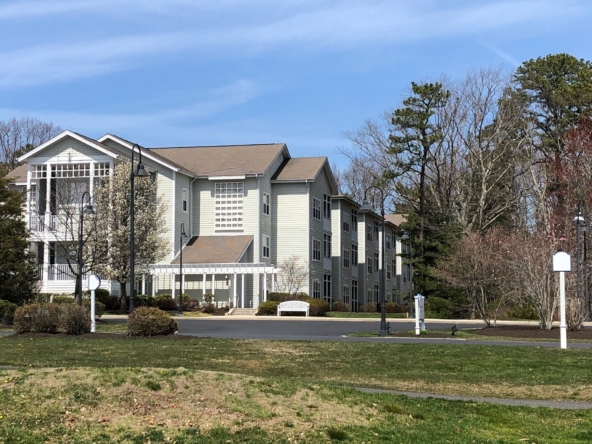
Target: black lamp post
{"points": [[579, 220], [365, 207], [87, 210], [139, 172], [181, 236]]}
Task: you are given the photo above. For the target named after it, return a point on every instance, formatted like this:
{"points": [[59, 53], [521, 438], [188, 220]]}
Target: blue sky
{"points": [[201, 72]]}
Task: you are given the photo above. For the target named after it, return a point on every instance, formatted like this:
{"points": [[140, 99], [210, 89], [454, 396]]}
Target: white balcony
{"points": [[51, 223]]}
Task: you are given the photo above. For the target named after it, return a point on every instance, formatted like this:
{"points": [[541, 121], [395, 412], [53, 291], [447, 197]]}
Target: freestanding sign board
{"points": [[92, 283], [419, 314], [561, 264]]}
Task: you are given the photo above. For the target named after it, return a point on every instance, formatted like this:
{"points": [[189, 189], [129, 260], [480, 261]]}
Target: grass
{"points": [[164, 405], [353, 315]]}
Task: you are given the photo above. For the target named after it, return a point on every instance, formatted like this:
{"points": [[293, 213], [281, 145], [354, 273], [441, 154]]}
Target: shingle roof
{"points": [[301, 168], [19, 174], [396, 219], [215, 249], [228, 160]]}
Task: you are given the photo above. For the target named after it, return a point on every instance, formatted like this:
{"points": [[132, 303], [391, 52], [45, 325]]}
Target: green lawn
{"points": [[137, 390], [353, 315]]}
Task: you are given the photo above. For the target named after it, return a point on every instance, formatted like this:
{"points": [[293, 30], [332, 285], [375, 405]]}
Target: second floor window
{"points": [[266, 203], [316, 249], [266, 246], [354, 220], [345, 216], [394, 267], [184, 200], [369, 232], [354, 255], [316, 208], [327, 206], [345, 258], [388, 241], [327, 246], [369, 264], [388, 271], [229, 205], [376, 262]]}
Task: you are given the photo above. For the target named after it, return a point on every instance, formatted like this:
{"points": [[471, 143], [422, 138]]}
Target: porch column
{"points": [[273, 282], [204, 285], [234, 290], [214, 284], [182, 284], [143, 284], [46, 217], [264, 286], [173, 285], [154, 281], [255, 301], [243, 290], [45, 270]]}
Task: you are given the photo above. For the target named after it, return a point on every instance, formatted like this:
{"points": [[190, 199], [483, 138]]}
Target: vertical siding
{"points": [[166, 189], [182, 181]]}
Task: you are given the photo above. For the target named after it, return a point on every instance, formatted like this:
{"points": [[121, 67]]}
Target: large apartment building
{"points": [[245, 209]]}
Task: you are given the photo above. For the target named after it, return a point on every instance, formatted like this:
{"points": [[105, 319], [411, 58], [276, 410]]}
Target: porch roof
{"points": [[215, 249]]}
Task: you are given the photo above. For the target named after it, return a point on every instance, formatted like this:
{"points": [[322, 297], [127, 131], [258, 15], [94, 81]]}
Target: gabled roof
{"points": [[86, 140], [396, 219], [215, 249], [225, 160], [304, 169], [19, 174]]}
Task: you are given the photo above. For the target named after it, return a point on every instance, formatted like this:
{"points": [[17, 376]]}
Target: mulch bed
{"points": [[532, 332]]}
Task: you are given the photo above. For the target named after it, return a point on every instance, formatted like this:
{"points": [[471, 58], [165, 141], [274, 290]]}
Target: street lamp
{"points": [[181, 236], [87, 210], [140, 172], [407, 237], [579, 220], [366, 207]]}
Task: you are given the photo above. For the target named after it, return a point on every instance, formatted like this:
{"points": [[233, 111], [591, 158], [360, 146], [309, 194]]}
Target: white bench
{"points": [[293, 306]]}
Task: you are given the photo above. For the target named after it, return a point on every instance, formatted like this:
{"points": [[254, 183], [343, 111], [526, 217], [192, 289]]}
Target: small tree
{"points": [[17, 269], [112, 198], [293, 275]]}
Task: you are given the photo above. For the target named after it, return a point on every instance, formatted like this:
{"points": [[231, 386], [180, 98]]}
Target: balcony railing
{"points": [[62, 272], [49, 223]]}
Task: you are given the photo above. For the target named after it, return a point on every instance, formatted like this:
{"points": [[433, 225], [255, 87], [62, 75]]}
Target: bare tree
{"points": [[18, 136], [293, 275]]}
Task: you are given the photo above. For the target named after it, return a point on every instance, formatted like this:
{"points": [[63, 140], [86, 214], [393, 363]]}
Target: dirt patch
{"points": [[100, 336], [532, 332]]}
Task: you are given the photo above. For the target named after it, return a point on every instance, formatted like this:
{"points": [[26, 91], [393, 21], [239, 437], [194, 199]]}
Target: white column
{"points": [[243, 290], [273, 282], [143, 284], [204, 285], [264, 287], [214, 284], [173, 276], [255, 301], [45, 265], [47, 197], [563, 325], [154, 281], [234, 290]]}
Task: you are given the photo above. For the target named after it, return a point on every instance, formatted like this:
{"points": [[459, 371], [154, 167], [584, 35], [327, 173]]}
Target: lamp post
{"points": [[181, 236], [366, 206], [88, 210], [407, 237], [139, 172], [579, 219]]}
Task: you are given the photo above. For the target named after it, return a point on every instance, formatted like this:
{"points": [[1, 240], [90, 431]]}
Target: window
{"points": [[354, 220], [369, 265], [316, 249], [38, 171], [394, 267], [354, 291], [369, 298], [376, 291], [266, 245], [266, 203], [369, 233], [316, 289], [389, 271], [66, 170], [327, 287], [229, 205], [345, 224], [346, 297], [376, 262], [354, 255], [316, 208], [376, 229], [345, 258], [327, 246], [388, 241], [327, 206], [184, 200]]}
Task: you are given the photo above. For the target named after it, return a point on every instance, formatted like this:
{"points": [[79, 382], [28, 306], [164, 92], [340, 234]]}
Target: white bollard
{"points": [[563, 325], [93, 322]]}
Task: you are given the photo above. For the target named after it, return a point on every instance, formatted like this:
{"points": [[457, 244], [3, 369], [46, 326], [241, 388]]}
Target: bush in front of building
{"points": [[368, 308], [7, 310], [151, 321], [340, 306], [393, 307], [40, 318], [318, 307], [165, 302], [438, 308], [268, 308], [278, 296], [74, 319]]}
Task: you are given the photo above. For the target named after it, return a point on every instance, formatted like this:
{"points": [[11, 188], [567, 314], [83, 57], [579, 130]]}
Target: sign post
{"points": [[92, 283], [419, 314], [561, 264]]}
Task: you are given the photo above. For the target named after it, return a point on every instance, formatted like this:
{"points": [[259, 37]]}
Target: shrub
{"points": [[150, 321], [208, 308], [438, 308], [190, 304], [63, 299], [110, 302], [282, 297], [74, 319], [318, 307], [7, 310], [42, 318], [99, 307], [208, 298], [368, 308], [165, 302], [393, 307], [524, 311], [268, 308], [340, 306]]}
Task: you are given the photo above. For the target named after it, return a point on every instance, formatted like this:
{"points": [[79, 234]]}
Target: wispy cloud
{"points": [[504, 55]]}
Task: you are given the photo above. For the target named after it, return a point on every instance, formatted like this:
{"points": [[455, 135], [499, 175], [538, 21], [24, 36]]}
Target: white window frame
{"points": [[228, 206], [184, 200], [327, 246], [369, 296], [316, 208], [266, 247], [369, 265], [394, 261], [266, 204], [346, 258], [346, 221], [316, 249], [369, 235]]}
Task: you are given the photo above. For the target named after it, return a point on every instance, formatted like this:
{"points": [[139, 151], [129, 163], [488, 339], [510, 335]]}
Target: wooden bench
{"points": [[290, 306]]}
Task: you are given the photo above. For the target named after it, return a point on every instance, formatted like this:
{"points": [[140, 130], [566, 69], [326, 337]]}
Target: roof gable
{"points": [[215, 249], [305, 169]]}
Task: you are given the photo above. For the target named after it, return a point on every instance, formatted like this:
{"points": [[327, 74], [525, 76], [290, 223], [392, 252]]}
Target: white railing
{"points": [[49, 223], [62, 272]]}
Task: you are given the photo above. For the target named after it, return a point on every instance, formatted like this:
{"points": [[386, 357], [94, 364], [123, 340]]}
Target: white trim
{"points": [[59, 137], [174, 210], [203, 269], [227, 177], [186, 200]]}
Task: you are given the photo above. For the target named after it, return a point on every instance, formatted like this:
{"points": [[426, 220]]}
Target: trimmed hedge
{"points": [[283, 297], [318, 307], [368, 308], [40, 318], [340, 306], [150, 321], [165, 302], [268, 308], [7, 310]]}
